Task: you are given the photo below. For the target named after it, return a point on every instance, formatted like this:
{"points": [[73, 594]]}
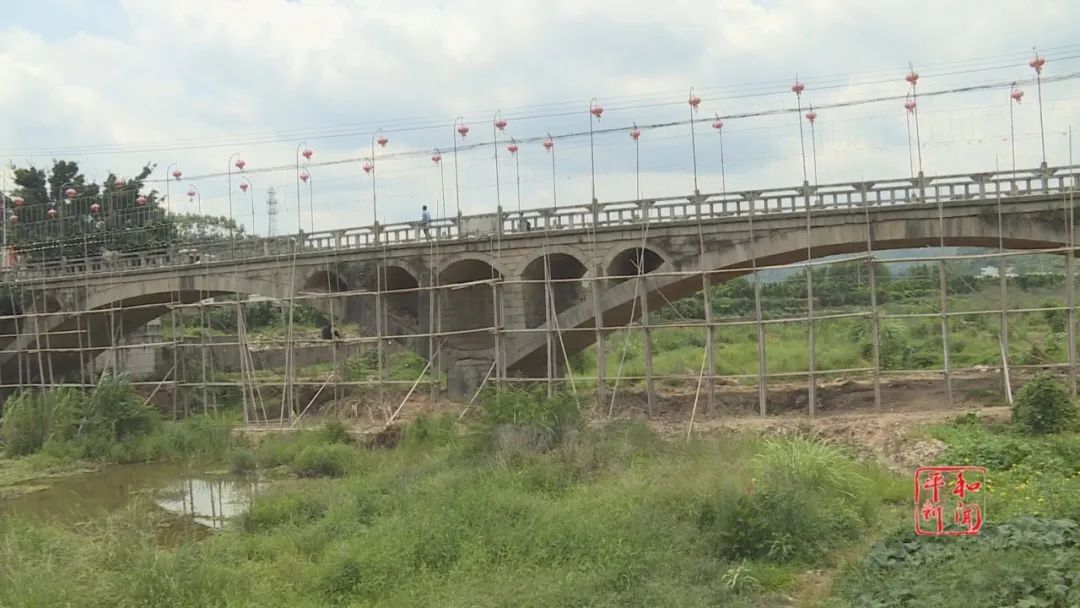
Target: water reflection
{"points": [[205, 499], [210, 502]]}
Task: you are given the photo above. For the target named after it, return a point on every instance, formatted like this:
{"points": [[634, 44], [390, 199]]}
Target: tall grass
{"points": [[609, 517], [109, 423]]}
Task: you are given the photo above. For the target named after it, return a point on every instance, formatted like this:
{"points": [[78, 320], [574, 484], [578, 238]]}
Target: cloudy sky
{"points": [[115, 84]]}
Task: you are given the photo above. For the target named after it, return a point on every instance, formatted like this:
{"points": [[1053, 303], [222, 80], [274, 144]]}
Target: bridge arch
{"points": [[465, 256], [324, 281], [624, 263], [470, 307], [560, 267], [400, 290]]}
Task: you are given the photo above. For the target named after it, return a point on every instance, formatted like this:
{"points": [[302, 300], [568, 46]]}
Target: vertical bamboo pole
{"points": [[942, 293], [646, 339], [1003, 327], [598, 323], [811, 392], [1070, 277], [552, 365], [379, 328], [875, 312], [433, 369], [763, 393], [240, 349], [496, 331], [944, 299], [710, 329], [203, 328], [710, 338]]}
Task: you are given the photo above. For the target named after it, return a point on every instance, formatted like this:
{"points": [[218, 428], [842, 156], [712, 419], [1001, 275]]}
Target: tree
{"points": [[99, 217]]}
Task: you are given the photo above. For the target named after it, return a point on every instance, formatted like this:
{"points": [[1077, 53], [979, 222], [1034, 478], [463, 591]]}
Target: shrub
{"points": [[334, 432], [33, 418], [283, 507], [112, 409], [550, 418], [806, 498], [323, 461], [242, 461], [1043, 405]]}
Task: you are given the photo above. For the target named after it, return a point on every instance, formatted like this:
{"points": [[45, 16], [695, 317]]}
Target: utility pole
{"points": [[271, 212]]}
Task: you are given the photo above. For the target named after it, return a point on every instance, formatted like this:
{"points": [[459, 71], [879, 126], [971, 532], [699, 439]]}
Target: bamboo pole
{"points": [[875, 311], [646, 340], [1070, 276]]}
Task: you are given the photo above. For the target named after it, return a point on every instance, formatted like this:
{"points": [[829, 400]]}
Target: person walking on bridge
{"points": [[425, 222]]}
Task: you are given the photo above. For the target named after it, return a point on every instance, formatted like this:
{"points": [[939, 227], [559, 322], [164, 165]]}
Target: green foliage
{"points": [[109, 413], [108, 423], [334, 431], [805, 498], [32, 418], [605, 518], [242, 461], [1043, 405], [528, 414], [332, 460], [1027, 562]]}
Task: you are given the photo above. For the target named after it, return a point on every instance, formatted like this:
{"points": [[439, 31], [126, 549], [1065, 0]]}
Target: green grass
{"points": [[614, 517], [844, 343]]}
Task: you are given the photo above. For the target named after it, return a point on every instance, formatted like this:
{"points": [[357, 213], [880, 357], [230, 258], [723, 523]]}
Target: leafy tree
{"points": [[100, 217]]}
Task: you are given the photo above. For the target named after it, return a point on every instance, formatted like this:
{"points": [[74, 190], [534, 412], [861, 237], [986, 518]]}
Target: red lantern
{"points": [[240, 164], [18, 200], [382, 140], [244, 186], [191, 193], [307, 153], [912, 77], [500, 124], [1037, 64], [635, 134], [305, 176], [141, 201], [368, 167], [1017, 95], [596, 111], [811, 115], [695, 101], [119, 184], [436, 158], [14, 219], [910, 105], [798, 87], [51, 213], [177, 174], [719, 124], [70, 193], [463, 130], [548, 143], [95, 208]]}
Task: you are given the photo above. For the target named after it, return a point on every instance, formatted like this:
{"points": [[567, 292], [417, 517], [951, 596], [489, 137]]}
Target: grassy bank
{"points": [[537, 512], [62, 430]]}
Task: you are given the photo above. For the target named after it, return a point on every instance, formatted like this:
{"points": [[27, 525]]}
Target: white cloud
{"points": [[239, 74]]}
